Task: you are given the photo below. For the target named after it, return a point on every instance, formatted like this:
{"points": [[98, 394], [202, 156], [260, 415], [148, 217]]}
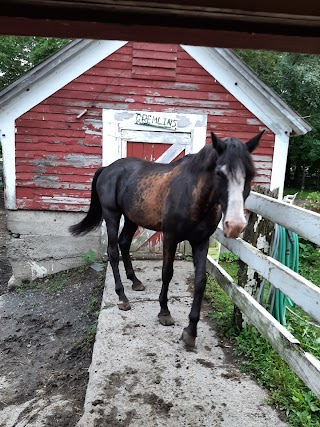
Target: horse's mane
{"points": [[205, 159]]}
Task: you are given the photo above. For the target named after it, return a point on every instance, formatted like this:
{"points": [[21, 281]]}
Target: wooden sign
{"points": [[156, 120]]}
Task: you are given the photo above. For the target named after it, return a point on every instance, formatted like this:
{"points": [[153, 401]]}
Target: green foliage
{"points": [[89, 257], [89, 338], [309, 257], [51, 284], [230, 262], [19, 54], [302, 194], [221, 305], [308, 333], [295, 77], [313, 201], [228, 257]]}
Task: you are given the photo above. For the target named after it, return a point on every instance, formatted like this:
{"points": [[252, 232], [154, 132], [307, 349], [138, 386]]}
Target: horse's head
{"points": [[234, 172]]}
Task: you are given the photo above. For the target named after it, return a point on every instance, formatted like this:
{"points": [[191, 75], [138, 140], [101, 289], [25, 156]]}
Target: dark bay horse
{"points": [[184, 199]]}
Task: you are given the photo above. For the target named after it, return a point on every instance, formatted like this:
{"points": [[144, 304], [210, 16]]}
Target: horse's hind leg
{"points": [[199, 254], [169, 250], [125, 240], [112, 221]]}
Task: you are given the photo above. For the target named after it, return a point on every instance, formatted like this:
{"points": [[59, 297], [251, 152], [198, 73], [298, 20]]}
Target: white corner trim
{"points": [[279, 163], [7, 134], [59, 76], [242, 89]]}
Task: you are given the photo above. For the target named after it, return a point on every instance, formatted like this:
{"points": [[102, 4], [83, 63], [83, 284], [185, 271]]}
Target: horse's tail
{"points": [[94, 216]]}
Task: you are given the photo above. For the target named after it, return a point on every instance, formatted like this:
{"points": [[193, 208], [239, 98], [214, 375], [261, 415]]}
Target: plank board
{"points": [[300, 290], [301, 221]]}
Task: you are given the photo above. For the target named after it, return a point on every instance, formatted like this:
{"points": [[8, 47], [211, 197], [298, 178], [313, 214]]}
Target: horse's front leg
{"points": [[169, 250], [199, 253]]}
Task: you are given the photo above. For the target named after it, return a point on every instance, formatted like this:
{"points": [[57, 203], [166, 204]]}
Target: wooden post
{"points": [[259, 233]]}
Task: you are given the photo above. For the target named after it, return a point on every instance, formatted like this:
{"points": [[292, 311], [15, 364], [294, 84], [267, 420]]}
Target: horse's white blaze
{"points": [[234, 220]]}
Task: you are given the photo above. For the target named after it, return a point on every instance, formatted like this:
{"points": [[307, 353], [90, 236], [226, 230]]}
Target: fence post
{"points": [[258, 232]]}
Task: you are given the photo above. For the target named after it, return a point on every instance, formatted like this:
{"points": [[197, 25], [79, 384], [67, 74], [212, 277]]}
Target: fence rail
{"points": [[301, 221], [300, 290]]}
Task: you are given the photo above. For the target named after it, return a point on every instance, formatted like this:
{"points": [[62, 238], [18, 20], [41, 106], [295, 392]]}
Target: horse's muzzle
{"points": [[233, 229]]}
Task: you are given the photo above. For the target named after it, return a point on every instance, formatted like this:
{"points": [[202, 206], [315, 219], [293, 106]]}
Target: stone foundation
{"points": [[40, 244]]}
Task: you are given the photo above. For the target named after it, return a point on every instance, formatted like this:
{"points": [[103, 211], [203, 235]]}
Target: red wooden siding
{"points": [[57, 154]]}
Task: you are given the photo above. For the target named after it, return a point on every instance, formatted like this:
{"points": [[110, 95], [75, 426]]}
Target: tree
{"points": [[296, 78], [19, 54]]}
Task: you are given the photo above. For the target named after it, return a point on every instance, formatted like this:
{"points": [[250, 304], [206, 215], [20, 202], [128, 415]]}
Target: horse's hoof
{"points": [[166, 319], [138, 286], [189, 340], [124, 305]]}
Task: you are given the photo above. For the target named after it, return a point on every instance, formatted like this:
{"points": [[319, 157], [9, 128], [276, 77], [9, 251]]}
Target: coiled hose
{"points": [[285, 249]]}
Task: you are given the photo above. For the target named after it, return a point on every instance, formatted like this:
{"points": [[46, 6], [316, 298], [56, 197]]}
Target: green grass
{"points": [[287, 391], [302, 194], [51, 284], [309, 260]]}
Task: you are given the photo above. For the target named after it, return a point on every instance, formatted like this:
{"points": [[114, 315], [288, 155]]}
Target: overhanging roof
{"points": [[266, 24]]}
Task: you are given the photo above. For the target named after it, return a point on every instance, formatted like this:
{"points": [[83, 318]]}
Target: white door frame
{"points": [[117, 123]]}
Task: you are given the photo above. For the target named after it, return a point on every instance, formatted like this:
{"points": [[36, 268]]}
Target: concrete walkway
{"points": [[142, 376]]}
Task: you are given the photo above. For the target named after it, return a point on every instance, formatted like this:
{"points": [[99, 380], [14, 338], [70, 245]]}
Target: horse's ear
{"points": [[252, 144], [217, 144]]}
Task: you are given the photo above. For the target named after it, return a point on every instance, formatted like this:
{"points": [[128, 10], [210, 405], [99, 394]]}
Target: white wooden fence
{"points": [[301, 291]]}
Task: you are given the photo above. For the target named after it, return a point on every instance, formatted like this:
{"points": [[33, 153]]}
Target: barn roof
{"points": [[226, 67]]}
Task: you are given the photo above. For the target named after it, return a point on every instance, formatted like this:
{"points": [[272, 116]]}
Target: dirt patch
{"points": [[5, 268], [47, 333]]}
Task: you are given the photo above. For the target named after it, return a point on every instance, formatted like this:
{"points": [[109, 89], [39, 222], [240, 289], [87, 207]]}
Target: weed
{"points": [[302, 194], [91, 260], [313, 201], [309, 258], [222, 307], [52, 284], [28, 286], [89, 338], [94, 304], [228, 257], [89, 257], [230, 262]]}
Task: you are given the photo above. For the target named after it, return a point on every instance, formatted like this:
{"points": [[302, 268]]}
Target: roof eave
{"points": [[39, 71], [298, 124]]}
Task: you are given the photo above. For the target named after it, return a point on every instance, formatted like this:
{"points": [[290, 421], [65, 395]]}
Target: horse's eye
{"points": [[220, 173]]}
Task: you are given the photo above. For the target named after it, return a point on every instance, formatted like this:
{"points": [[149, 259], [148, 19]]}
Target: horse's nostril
{"points": [[233, 228]]}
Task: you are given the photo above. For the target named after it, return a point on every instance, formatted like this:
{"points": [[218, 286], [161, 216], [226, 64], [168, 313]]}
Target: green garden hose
{"points": [[285, 249]]}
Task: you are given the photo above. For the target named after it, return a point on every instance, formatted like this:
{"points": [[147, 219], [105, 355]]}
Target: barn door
{"points": [[158, 137]]}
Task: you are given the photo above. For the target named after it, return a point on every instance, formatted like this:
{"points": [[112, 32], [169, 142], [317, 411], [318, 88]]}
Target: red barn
{"points": [[95, 101]]}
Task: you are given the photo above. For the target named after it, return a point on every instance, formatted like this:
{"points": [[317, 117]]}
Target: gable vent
{"points": [[154, 61]]}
